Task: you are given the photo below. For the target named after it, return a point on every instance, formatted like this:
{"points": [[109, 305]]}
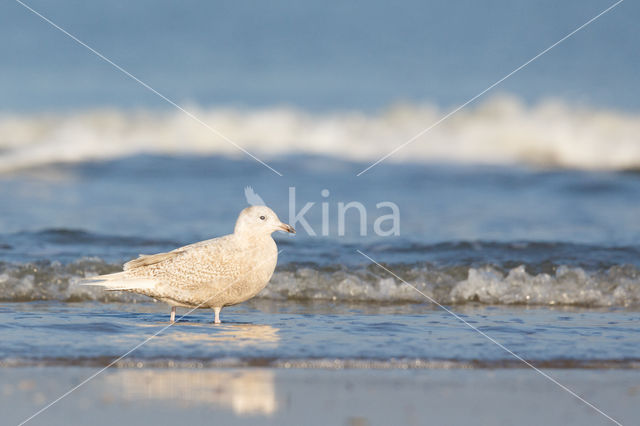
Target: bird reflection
{"points": [[245, 392], [237, 334]]}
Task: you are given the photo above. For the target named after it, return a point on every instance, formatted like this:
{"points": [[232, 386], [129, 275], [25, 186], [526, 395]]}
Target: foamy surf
{"points": [[500, 131], [616, 286]]}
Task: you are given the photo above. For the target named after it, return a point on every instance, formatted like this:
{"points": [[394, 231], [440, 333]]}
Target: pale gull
{"points": [[215, 273]]}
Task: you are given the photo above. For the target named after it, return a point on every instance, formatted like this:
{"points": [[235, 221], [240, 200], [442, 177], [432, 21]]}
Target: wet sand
{"points": [[317, 396]]}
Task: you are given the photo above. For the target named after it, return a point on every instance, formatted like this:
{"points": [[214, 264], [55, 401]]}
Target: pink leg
{"points": [[173, 314], [216, 311]]}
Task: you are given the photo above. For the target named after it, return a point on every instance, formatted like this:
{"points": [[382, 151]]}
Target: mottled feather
{"points": [[213, 273]]}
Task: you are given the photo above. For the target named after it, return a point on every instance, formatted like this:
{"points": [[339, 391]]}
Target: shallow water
{"points": [[319, 335], [545, 262], [240, 396], [519, 213]]}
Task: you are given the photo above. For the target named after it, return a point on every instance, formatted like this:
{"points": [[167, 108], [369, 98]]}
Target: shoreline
{"points": [[329, 364], [306, 396]]}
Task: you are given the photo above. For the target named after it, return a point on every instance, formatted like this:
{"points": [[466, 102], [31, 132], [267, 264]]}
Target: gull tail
{"points": [[120, 281]]}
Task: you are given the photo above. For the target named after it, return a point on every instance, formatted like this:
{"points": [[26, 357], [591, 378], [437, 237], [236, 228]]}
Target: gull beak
{"points": [[287, 228]]}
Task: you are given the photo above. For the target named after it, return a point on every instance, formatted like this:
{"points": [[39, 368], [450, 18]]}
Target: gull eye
{"points": [[262, 218]]}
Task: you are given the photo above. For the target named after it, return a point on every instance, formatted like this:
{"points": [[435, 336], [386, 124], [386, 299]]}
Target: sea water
{"points": [[546, 262], [517, 217]]}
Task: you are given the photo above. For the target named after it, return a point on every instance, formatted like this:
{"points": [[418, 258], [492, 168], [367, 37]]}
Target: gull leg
{"points": [[216, 311], [173, 314]]}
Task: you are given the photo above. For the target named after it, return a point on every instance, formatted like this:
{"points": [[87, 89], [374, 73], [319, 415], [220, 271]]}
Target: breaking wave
{"points": [[500, 131], [616, 286]]}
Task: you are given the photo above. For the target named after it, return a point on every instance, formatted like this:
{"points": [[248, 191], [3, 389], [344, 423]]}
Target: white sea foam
{"points": [[567, 286], [500, 131], [616, 286]]}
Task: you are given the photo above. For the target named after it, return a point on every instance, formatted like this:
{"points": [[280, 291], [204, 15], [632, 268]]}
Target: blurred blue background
{"points": [[530, 196], [356, 54]]}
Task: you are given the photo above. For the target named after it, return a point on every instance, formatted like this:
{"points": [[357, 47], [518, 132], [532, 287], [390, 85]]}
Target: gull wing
{"points": [[151, 259]]}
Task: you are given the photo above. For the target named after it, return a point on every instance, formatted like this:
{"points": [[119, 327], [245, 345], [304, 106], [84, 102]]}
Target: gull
{"points": [[214, 273]]}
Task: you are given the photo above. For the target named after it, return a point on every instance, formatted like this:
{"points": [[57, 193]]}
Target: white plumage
{"points": [[214, 273]]}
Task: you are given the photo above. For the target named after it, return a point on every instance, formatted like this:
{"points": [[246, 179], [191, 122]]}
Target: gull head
{"points": [[260, 220]]}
